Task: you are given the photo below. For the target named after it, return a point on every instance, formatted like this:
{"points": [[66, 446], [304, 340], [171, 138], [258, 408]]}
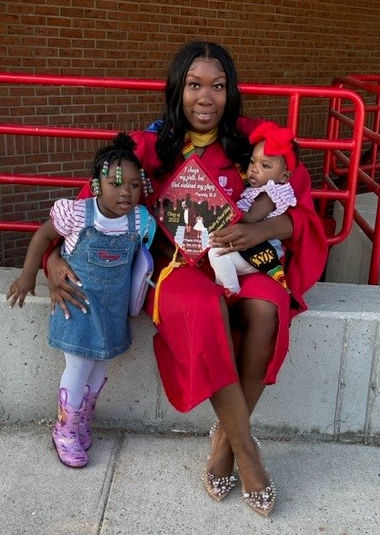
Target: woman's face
{"points": [[204, 94]]}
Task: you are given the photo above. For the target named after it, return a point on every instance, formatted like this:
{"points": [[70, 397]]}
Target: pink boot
{"points": [[89, 403], [66, 435]]}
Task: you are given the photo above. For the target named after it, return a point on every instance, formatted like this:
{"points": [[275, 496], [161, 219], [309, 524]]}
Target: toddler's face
{"points": [[263, 168], [116, 201]]}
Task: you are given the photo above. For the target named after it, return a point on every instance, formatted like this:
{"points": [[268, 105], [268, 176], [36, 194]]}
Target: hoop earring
{"points": [[95, 187]]}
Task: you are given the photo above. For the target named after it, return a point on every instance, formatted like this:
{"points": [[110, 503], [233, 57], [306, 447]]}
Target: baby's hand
{"points": [[19, 289]]}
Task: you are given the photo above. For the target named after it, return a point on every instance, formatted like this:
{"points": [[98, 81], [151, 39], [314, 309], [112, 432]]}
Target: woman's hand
{"points": [[235, 238], [244, 235], [61, 292]]}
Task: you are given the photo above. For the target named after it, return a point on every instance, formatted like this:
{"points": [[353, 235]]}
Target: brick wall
{"points": [[272, 41]]}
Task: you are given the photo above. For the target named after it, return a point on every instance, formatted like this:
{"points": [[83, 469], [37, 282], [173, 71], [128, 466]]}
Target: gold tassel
{"points": [[165, 272]]}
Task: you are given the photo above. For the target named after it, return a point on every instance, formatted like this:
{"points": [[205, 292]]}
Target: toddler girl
{"points": [[101, 236]]}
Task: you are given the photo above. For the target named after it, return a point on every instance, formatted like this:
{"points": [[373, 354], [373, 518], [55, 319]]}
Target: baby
{"points": [[270, 194]]}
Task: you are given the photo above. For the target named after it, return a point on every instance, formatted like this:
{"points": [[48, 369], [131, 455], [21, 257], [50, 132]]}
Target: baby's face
{"points": [[263, 168]]}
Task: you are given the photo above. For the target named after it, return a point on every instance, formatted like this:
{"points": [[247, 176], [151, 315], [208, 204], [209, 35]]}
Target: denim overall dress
{"points": [[103, 265]]}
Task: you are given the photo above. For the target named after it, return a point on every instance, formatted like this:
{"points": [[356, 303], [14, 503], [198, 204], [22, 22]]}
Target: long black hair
{"points": [[172, 132]]}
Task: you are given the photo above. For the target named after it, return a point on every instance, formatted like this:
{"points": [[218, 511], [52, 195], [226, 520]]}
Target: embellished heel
{"points": [[218, 487], [261, 501]]}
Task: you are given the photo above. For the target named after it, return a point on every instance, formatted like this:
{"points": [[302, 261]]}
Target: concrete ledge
{"points": [[350, 260], [328, 387]]}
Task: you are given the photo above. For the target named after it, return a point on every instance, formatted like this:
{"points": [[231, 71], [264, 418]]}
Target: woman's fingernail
{"points": [[79, 283], [84, 310], [87, 301], [66, 316]]}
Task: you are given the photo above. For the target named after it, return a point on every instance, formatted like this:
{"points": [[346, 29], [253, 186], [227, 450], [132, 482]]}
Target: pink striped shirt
{"points": [[68, 218]]}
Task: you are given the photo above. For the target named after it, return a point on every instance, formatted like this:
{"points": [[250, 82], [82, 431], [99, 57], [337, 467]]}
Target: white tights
{"points": [[227, 267], [80, 372]]}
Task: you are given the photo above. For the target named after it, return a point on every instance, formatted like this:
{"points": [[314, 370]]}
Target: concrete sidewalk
{"points": [[139, 484]]}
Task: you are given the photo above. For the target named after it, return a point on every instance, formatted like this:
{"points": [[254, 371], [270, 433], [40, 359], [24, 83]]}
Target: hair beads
{"points": [[105, 168], [146, 183], [95, 187], [118, 175], [121, 149]]}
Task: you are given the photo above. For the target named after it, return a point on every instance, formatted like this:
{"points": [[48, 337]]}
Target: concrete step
{"points": [[328, 387]]}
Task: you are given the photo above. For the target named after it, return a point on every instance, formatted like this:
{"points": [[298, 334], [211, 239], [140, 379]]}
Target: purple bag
{"points": [[142, 271]]}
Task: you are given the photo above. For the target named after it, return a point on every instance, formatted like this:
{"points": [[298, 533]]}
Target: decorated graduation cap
{"points": [[278, 141]]}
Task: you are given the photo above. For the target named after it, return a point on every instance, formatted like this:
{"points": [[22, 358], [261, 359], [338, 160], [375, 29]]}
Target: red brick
{"points": [[271, 42]]}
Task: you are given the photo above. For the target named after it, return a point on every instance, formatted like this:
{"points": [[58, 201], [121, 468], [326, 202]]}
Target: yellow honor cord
{"points": [[165, 272]]}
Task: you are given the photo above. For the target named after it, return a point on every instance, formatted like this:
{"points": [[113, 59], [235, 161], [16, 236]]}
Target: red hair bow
{"points": [[278, 141]]}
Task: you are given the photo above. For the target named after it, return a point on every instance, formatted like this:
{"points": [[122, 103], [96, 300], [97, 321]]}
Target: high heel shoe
{"points": [[218, 487], [261, 501]]}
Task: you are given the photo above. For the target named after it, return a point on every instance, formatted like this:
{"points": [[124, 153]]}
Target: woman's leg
{"points": [[260, 323], [231, 409], [234, 404]]}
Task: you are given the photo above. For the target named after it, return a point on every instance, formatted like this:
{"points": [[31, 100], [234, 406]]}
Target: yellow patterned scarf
{"points": [[202, 140]]}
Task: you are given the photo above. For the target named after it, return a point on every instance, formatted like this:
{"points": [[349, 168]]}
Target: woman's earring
{"points": [[146, 183], [95, 187]]}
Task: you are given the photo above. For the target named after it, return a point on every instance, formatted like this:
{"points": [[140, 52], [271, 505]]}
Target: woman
{"points": [[209, 346]]}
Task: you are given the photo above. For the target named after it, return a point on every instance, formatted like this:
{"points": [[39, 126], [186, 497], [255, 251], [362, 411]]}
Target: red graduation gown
{"points": [[190, 345]]}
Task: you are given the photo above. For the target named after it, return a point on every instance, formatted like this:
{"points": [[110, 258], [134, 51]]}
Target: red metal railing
{"points": [[368, 86], [330, 144]]}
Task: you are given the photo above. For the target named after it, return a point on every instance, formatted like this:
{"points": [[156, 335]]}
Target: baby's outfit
{"points": [[100, 251], [264, 257]]}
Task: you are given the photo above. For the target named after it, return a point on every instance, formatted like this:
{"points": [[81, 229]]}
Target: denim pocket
{"points": [[107, 264]]}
